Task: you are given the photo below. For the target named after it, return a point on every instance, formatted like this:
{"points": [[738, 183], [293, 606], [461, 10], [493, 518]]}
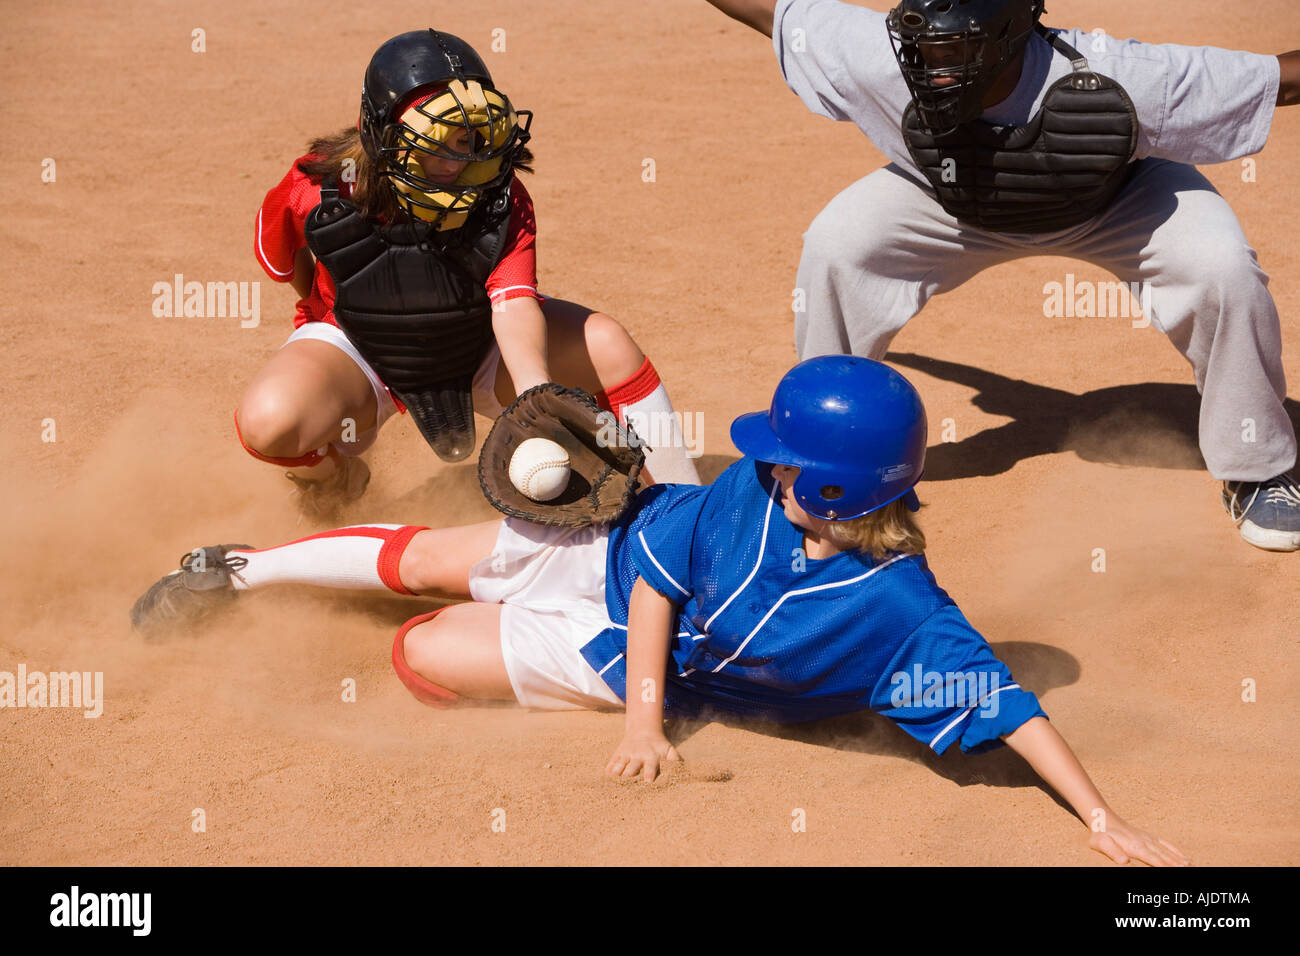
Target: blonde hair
{"points": [[891, 529]]}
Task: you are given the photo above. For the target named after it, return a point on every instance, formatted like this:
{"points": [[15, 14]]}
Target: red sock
{"points": [[631, 390]]}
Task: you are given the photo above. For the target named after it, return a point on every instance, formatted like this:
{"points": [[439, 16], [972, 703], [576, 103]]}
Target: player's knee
{"points": [[830, 242], [1223, 278], [605, 336], [1237, 270], [268, 425], [422, 647], [614, 353]]}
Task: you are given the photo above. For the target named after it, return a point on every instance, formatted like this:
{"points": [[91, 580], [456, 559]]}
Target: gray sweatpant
{"points": [[881, 248]]}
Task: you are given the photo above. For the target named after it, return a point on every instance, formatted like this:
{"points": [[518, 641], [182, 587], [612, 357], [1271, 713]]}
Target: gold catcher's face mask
{"points": [[463, 123]]}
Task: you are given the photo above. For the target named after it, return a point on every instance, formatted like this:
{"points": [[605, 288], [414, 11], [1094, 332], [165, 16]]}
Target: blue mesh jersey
{"points": [[765, 633]]}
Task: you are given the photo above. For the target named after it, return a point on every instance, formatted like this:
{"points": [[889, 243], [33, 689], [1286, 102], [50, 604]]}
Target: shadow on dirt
{"points": [[1038, 667], [1150, 424]]}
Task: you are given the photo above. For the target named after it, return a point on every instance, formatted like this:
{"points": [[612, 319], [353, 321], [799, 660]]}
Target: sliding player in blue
{"points": [[793, 588]]}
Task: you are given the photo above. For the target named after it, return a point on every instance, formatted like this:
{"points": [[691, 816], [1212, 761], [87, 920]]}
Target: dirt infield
{"points": [[1071, 435]]}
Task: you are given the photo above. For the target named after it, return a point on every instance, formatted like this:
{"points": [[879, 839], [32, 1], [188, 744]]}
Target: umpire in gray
{"points": [[1005, 141]]}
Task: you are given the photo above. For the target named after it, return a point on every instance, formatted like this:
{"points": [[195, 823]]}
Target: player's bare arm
{"points": [[758, 14], [520, 329], [650, 618], [1051, 757], [1288, 93]]}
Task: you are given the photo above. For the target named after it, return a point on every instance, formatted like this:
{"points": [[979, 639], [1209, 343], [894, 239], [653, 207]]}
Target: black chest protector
{"points": [[1060, 169], [412, 300]]}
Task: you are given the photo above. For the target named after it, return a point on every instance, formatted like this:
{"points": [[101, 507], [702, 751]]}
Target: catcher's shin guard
{"points": [[425, 690]]}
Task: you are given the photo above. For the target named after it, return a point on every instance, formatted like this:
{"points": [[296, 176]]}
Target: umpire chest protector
{"points": [[412, 300], [1058, 170]]}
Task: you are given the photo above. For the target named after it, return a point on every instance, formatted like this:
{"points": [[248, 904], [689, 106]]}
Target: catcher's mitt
{"points": [[605, 458]]}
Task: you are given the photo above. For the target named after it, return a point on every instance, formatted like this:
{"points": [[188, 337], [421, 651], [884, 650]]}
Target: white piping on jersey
{"points": [[962, 716], [261, 254], [617, 658], [655, 562], [513, 288], [789, 594], [762, 546]]}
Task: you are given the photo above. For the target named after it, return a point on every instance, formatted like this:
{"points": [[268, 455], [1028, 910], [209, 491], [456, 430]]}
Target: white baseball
{"points": [[540, 468]]}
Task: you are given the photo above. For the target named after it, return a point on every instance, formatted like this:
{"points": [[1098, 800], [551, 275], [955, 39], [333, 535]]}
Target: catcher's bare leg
{"points": [[589, 350], [585, 349], [299, 401], [313, 409]]}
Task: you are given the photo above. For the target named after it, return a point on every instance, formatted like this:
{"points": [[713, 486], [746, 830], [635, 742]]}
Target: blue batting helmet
{"points": [[854, 427]]}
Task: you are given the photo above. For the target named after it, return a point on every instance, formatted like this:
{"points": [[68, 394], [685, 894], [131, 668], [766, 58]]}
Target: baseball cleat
{"points": [[202, 583], [323, 498], [1267, 512]]}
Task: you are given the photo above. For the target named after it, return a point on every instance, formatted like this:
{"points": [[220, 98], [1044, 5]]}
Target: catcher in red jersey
{"points": [[412, 243]]}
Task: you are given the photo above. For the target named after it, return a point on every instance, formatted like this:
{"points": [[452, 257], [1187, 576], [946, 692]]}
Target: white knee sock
{"points": [[362, 557], [642, 402]]}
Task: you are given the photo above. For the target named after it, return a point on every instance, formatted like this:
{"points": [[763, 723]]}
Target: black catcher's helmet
{"points": [[953, 51], [421, 88]]}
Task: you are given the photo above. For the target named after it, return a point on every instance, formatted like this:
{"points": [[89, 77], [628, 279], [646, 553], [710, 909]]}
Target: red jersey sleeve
{"points": [[279, 231], [516, 273]]}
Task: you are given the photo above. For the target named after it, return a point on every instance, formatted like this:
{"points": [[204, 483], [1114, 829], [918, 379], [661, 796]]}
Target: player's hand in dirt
{"points": [[641, 754], [1123, 843]]}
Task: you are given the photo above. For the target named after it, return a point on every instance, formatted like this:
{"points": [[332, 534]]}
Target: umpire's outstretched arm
{"points": [[758, 14]]}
